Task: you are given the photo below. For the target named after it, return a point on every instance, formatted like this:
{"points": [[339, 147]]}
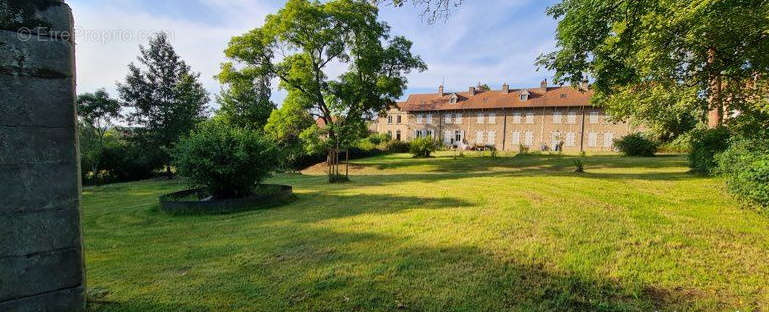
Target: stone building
{"points": [[537, 118]]}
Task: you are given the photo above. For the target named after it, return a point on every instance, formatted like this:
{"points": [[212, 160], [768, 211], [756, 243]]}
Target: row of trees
{"points": [[162, 99]]}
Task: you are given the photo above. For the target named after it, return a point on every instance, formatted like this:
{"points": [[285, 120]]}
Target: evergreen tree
{"points": [[162, 96]]}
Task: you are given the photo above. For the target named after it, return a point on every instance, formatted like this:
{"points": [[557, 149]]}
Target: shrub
{"points": [[423, 147], [579, 165], [745, 164], [636, 144], [131, 161], [706, 144], [227, 162], [523, 149], [395, 146], [681, 144]]}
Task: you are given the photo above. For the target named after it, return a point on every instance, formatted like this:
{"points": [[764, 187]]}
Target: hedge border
{"points": [[214, 207]]}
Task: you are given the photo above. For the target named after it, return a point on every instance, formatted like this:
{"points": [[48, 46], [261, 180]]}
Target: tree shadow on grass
{"points": [[446, 164], [371, 272]]}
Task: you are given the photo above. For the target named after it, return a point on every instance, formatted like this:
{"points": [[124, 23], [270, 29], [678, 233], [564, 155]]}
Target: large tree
{"points": [[431, 10], [97, 112], [663, 62], [245, 99], [300, 43], [162, 96]]}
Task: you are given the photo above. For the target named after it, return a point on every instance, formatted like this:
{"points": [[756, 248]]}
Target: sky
{"points": [[483, 41]]}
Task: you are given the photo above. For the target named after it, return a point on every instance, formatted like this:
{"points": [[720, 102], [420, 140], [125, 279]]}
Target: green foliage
{"points": [[579, 166], [706, 144], [285, 127], [636, 144], [97, 111], [665, 63], [423, 147], [245, 101], [745, 164], [162, 95], [681, 144], [298, 43], [395, 146], [129, 159], [227, 162]]}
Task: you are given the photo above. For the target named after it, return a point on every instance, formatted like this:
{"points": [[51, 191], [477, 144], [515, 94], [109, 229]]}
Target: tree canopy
{"points": [[304, 41], [665, 62], [162, 95]]}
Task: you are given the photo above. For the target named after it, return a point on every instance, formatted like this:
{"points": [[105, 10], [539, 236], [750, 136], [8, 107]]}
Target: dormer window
{"points": [[524, 95], [453, 99]]}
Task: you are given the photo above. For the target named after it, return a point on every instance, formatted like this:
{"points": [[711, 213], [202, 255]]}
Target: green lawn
{"points": [[472, 234]]}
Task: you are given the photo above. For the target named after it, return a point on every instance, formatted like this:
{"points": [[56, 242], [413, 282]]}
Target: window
{"points": [[524, 97], [557, 117], [417, 133], [480, 118], [492, 138], [389, 119], [563, 95], [594, 117], [529, 118], [453, 99], [492, 118], [447, 137], [390, 133], [516, 137], [447, 118], [572, 119], [429, 119], [517, 118], [398, 135], [419, 118], [592, 139], [458, 120], [529, 138], [608, 140], [571, 139], [429, 133], [399, 118], [479, 137], [458, 136]]}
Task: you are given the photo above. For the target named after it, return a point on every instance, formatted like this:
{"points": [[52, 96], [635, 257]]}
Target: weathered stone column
{"points": [[41, 254]]}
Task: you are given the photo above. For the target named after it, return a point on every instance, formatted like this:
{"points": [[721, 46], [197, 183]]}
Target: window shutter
{"points": [[480, 118], [459, 118], [492, 118]]}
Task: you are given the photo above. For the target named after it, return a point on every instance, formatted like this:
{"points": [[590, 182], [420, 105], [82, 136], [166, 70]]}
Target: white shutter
{"points": [[592, 139], [572, 119], [492, 138], [529, 118], [594, 117], [480, 118], [429, 119], [557, 117], [459, 119], [419, 118], [492, 118], [447, 137], [516, 138], [479, 137], [529, 138], [608, 140], [517, 118], [571, 139]]}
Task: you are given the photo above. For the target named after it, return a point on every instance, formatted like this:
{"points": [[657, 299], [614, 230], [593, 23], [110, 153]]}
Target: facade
{"points": [[543, 118]]}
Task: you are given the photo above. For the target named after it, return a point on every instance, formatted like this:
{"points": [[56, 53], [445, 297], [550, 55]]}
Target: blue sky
{"points": [[487, 41]]}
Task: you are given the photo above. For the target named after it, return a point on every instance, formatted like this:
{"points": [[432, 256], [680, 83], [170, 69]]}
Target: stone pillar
{"points": [[41, 254]]}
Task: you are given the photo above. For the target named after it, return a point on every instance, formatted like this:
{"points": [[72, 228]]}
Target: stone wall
{"points": [[41, 254]]}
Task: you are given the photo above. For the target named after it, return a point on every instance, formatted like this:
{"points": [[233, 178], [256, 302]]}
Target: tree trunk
{"points": [[715, 100]]}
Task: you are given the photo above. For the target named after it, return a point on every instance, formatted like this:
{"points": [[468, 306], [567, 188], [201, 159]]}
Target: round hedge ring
{"points": [[196, 202]]}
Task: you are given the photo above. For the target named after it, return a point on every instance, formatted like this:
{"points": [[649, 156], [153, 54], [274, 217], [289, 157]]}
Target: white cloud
{"points": [[491, 41]]}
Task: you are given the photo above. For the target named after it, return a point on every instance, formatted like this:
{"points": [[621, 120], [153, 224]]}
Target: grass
{"points": [[521, 233]]}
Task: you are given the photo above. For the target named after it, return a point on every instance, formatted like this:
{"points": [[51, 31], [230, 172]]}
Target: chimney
{"points": [[440, 90], [585, 85], [543, 85], [505, 88], [472, 91]]}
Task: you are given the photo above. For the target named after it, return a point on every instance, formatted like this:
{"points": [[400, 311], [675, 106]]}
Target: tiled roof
{"points": [[538, 97]]}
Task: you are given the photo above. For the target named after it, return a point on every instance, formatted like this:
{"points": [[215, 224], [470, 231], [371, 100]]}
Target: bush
{"points": [[130, 161], [745, 164], [636, 144], [681, 144], [706, 144], [423, 147], [395, 146], [227, 162], [579, 166]]}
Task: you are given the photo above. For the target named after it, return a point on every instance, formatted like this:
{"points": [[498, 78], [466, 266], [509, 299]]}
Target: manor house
{"points": [[536, 118]]}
